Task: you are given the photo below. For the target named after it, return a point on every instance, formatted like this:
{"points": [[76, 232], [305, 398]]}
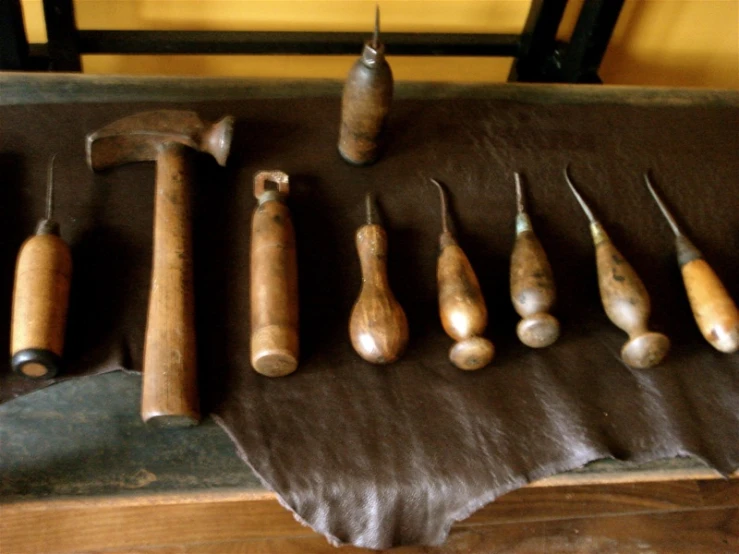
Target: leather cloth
{"points": [[382, 456]]}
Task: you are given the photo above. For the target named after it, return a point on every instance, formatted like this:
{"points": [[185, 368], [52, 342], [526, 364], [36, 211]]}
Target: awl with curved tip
{"points": [[274, 279], [378, 327], [624, 297], [462, 309], [532, 283], [41, 297], [169, 395], [713, 309]]}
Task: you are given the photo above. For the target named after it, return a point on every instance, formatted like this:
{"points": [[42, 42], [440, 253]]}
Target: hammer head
{"points": [[139, 137]]}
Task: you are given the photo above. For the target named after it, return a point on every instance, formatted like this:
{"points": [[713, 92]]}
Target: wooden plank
{"points": [[34, 88], [73, 526], [714, 531]]}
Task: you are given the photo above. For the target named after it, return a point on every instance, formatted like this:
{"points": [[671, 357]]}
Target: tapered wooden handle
{"points": [[274, 291], [626, 302], [40, 299], [462, 309], [533, 292], [378, 327], [715, 312], [169, 394]]}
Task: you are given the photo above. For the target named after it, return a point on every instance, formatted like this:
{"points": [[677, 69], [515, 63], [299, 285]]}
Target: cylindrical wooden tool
{"points": [[625, 299], [713, 309], [532, 283], [462, 309], [274, 279], [40, 299], [365, 103], [169, 395], [378, 327]]}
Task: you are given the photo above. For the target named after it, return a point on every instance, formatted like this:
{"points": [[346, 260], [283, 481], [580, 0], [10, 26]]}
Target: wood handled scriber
{"points": [[462, 309], [532, 283], [378, 327], [40, 297], [625, 299], [169, 391], [274, 279], [713, 309]]}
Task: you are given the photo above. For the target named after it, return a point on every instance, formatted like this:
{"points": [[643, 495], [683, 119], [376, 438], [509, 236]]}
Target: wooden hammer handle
{"points": [[169, 393]]}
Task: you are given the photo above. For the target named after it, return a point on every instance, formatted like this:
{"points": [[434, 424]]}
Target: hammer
{"points": [[169, 391]]}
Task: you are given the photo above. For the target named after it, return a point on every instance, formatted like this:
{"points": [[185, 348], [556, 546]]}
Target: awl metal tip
{"points": [[583, 205], [668, 216], [444, 206], [520, 201]]}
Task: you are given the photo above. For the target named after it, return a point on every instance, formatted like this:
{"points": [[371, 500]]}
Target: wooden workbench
{"points": [[80, 473]]}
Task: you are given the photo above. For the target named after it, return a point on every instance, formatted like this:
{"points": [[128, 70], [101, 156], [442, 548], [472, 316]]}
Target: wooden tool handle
{"points": [[714, 310], [40, 299], [169, 395], [274, 288], [378, 327], [627, 304], [462, 309], [532, 290]]}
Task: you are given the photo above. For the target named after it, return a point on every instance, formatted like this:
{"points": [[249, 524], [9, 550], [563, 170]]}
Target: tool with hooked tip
{"points": [[462, 309], [713, 309], [532, 283], [41, 297], [365, 102], [378, 327], [274, 279], [624, 297], [169, 395]]}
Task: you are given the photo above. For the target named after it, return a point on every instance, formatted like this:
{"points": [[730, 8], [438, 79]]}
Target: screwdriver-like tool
{"points": [[41, 296], [378, 327], [462, 309], [713, 309], [532, 283], [274, 279], [624, 297]]}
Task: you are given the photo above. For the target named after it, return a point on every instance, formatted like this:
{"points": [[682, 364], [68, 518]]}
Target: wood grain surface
{"points": [[677, 517], [169, 389], [274, 291], [41, 294]]}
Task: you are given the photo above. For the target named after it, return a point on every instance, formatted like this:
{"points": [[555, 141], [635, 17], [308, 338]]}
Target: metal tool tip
{"points": [[580, 200], [50, 187], [520, 205], [665, 212], [370, 208], [444, 208], [376, 36]]}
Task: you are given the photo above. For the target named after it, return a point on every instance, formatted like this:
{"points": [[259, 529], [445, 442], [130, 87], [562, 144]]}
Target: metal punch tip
{"points": [[520, 201], [444, 206]]}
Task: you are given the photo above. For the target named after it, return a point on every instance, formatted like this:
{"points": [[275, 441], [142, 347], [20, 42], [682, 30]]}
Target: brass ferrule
{"points": [[523, 223], [686, 250], [598, 233]]}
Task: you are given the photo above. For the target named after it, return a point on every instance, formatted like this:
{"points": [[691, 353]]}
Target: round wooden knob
{"points": [[538, 330], [473, 353], [646, 350]]}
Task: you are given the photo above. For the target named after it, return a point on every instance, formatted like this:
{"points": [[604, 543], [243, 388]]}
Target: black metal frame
{"points": [[539, 57]]}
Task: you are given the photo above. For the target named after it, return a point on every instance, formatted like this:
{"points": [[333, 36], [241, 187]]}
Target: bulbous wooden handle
{"points": [[40, 300], [533, 292], [462, 309], [274, 291], [169, 394], [627, 305], [378, 327], [714, 310]]}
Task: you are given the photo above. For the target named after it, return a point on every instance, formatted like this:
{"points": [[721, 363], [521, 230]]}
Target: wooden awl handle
{"points": [[274, 280]]}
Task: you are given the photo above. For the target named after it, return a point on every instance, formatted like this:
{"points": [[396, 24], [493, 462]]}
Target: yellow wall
{"points": [[656, 42]]}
